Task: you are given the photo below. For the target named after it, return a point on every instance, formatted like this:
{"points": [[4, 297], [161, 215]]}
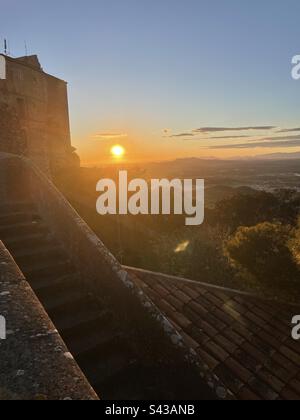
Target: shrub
{"points": [[264, 251]]}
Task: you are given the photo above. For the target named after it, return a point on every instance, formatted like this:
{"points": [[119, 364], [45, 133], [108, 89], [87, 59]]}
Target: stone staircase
{"points": [[104, 351]]}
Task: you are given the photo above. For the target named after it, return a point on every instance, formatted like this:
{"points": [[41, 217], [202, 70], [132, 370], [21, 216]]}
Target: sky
{"points": [[168, 79]]}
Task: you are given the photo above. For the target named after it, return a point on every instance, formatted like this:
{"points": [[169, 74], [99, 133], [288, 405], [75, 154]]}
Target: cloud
{"points": [[196, 138], [208, 130], [226, 137], [289, 130], [263, 144], [110, 136], [223, 129], [278, 138], [183, 135]]}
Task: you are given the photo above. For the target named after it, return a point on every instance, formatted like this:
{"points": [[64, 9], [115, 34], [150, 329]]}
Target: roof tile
{"points": [[295, 385], [291, 355], [181, 320], [244, 341], [229, 378], [232, 335], [208, 359], [198, 335], [207, 328], [240, 371], [225, 343], [175, 302], [182, 296], [285, 363], [217, 351], [190, 292], [271, 380], [263, 389], [246, 394], [191, 315], [197, 308], [288, 394]]}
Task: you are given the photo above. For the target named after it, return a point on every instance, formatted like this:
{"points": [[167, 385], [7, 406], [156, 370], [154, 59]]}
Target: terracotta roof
{"points": [[245, 341]]}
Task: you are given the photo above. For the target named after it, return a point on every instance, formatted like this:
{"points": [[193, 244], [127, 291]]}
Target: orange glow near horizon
{"points": [[165, 154], [139, 148]]}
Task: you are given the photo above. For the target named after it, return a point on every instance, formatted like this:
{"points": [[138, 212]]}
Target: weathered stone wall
{"points": [[13, 179], [34, 361], [34, 118], [12, 137]]}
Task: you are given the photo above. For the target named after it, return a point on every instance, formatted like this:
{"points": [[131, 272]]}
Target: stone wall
{"points": [[34, 361], [34, 115], [12, 137]]}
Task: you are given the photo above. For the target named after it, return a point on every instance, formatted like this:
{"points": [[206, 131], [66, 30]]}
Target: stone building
{"points": [[34, 116]]}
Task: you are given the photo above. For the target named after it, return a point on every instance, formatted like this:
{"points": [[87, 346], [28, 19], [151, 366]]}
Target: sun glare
{"points": [[118, 151]]}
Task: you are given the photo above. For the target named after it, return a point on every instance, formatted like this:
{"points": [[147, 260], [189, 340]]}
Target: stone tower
{"points": [[34, 115]]}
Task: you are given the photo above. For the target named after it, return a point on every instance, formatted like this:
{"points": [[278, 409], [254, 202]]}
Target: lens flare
{"points": [[182, 247]]}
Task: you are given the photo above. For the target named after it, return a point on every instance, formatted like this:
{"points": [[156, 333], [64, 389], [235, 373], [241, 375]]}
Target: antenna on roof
{"points": [[5, 46], [26, 49]]}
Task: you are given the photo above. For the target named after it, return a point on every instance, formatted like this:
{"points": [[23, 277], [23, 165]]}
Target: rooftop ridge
{"points": [[173, 278]]}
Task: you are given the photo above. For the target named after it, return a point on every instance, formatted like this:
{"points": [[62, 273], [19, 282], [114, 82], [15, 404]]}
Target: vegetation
{"points": [[295, 244], [250, 239], [264, 251], [251, 209]]}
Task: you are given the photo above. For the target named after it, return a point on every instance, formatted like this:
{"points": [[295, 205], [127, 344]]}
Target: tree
{"points": [[193, 253], [295, 244], [250, 210], [264, 251]]}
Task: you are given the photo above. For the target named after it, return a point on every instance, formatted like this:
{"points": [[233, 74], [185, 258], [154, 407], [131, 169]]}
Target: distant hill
{"points": [[221, 192], [279, 156]]}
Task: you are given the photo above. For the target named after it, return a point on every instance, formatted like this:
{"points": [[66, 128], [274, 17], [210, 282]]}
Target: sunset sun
{"points": [[118, 151]]}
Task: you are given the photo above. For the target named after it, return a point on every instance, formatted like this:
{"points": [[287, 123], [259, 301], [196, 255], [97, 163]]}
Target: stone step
{"points": [[131, 383], [46, 253], [75, 325], [76, 312], [89, 333], [28, 241], [45, 285], [17, 206], [28, 254], [58, 302], [53, 269], [17, 217], [27, 228], [104, 362]]}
